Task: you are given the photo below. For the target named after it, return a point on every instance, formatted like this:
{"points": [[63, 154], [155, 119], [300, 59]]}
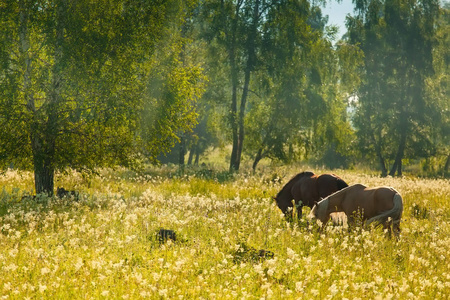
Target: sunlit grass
{"points": [[105, 245]]}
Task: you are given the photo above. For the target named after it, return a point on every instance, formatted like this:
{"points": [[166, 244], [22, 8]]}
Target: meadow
{"points": [[105, 245]]}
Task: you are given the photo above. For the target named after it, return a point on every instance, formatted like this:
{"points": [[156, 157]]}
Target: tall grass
{"points": [[105, 244]]}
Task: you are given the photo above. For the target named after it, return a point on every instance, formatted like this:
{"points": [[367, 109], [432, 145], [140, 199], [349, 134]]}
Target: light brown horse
{"points": [[307, 188], [382, 205]]}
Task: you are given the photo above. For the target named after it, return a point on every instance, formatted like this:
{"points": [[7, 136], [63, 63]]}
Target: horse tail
{"points": [[395, 213]]}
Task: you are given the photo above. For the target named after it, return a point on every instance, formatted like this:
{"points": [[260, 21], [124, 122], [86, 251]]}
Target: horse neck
{"points": [[335, 202], [322, 209], [285, 192]]}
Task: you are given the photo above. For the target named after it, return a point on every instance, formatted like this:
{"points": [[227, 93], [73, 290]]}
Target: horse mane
{"points": [[294, 179], [297, 177]]}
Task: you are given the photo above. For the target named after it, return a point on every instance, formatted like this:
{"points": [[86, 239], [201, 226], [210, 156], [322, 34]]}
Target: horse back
{"points": [[328, 184], [384, 197], [305, 190], [375, 200]]}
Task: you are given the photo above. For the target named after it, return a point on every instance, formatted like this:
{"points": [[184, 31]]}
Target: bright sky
{"points": [[337, 13]]}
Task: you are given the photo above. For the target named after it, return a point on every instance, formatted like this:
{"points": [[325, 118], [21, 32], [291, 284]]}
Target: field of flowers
{"points": [[105, 245]]}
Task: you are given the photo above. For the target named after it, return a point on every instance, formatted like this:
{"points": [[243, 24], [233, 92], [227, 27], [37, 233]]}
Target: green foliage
{"points": [[174, 111], [395, 113], [300, 111], [86, 84], [74, 83]]}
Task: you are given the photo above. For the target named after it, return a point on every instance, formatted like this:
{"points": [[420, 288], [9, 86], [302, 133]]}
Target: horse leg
{"points": [[396, 229], [350, 222], [288, 214], [299, 210]]}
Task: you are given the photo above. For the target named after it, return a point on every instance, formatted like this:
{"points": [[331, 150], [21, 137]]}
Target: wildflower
{"points": [[144, 294], [7, 286], [12, 267], [163, 292], [13, 252], [156, 276], [78, 264], [45, 270], [258, 269], [138, 277], [42, 288], [333, 289], [290, 253]]}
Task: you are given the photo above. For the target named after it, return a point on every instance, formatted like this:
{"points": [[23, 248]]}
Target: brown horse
{"points": [[382, 205], [306, 188]]}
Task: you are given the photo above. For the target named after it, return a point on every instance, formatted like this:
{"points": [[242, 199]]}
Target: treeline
{"points": [[102, 83]]}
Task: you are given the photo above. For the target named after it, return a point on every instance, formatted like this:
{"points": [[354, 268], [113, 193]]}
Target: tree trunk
{"points": [[251, 58], [191, 154], [44, 175], [234, 125], [381, 160], [197, 156], [397, 166], [182, 150], [42, 154], [382, 164], [377, 145], [234, 84], [447, 164], [257, 158], [43, 133]]}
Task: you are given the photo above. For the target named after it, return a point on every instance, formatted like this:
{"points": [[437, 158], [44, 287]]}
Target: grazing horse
{"points": [[307, 188], [382, 205]]}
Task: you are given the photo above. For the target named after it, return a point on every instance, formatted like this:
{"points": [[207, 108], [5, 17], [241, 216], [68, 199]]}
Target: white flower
{"points": [[333, 289], [7, 286], [45, 270], [163, 292], [299, 286]]}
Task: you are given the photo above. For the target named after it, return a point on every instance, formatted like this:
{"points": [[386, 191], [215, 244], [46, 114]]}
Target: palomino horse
{"points": [[382, 205], [306, 188]]}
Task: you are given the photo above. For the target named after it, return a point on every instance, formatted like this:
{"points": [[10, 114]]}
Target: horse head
{"points": [[319, 211], [282, 204], [313, 213], [284, 196]]}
